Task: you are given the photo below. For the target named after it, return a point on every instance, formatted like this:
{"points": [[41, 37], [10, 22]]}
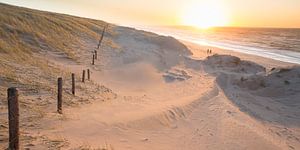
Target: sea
{"points": [[275, 43]]}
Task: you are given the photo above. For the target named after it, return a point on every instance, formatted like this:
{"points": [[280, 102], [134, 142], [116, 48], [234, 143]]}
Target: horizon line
{"points": [[132, 25]]}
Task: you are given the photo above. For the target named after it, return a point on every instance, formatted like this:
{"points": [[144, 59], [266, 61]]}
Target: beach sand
{"points": [[173, 96], [153, 92]]}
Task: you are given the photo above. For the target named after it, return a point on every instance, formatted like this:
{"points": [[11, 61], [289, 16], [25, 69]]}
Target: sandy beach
{"points": [[154, 92], [193, 102]]}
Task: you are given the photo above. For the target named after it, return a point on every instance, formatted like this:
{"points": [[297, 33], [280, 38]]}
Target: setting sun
{"points": [[205, 15]]}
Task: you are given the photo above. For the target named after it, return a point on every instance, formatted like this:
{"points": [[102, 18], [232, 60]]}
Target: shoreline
{"points": [[292, 57], [199, 51]]}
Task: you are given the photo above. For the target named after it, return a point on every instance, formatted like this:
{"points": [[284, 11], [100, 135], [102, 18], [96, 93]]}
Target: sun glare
{"points": [[205, 14]]}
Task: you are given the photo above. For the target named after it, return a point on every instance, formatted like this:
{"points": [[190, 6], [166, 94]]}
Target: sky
{"points": [[201, 13]]}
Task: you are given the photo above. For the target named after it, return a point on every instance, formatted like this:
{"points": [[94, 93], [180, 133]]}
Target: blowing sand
{"points": [[169, 95]]}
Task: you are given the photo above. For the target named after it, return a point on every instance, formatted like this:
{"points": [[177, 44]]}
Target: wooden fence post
{"points": [[93, 62], [88, 74], [96, 55], [73, 83], [83, 75], [59, 95], [13, 117]]}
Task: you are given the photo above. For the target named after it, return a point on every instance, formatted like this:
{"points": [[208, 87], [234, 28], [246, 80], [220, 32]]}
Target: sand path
{"points": [[181, 107], [197, 116]]}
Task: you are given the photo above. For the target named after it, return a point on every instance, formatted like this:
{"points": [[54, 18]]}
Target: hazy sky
{"points": [[250, 13]]}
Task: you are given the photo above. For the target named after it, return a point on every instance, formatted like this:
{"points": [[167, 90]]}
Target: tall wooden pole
{"points": [[73, 83], [93, 62], [59, 95], [13, 117], [83, 75], [88, 74]]}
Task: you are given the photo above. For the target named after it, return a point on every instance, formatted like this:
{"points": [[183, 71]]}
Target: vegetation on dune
{"points": [[26, 37], [24, 32]]}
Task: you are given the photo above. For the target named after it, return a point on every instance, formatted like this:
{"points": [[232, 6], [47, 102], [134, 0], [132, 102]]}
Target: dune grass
{"points": [[26, 37], [25, 32]]}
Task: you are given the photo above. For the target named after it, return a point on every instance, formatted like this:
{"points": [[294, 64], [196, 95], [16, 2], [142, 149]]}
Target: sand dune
{"points": [[153, 92], [181, 103]]}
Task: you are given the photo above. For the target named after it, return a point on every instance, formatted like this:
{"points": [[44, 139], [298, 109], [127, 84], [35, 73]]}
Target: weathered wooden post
{"points": [[59, 95], [13, 117], [96, 55], [88, 74], [93, 62], [73, 83], [83, 75]]}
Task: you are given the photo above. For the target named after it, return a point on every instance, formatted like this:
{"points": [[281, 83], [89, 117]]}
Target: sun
{"points": [[205, 14]]}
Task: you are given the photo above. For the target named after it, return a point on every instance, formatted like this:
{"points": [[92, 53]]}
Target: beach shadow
{"points": [[271, 98]]}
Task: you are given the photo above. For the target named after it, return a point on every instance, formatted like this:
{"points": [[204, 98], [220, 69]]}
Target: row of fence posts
{"points": [[13, 102], [99, 44], [88, 75], [102, 36], [13, 108]]}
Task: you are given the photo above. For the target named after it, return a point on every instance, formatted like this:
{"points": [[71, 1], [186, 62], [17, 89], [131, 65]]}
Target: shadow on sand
{"points": [[270, 97]]}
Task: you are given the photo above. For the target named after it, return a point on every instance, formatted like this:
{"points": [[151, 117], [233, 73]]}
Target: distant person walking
{"points": [[209, 51]]}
